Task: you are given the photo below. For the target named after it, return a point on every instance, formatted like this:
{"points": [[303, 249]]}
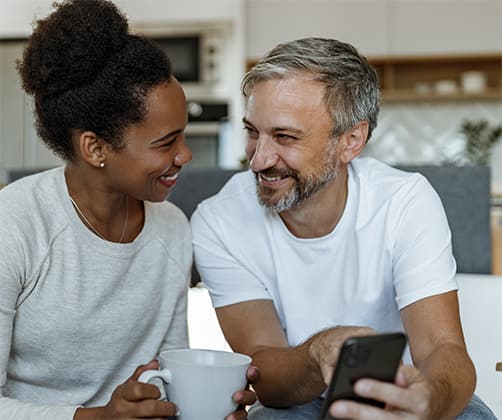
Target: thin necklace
{"points": [[81, 213]]}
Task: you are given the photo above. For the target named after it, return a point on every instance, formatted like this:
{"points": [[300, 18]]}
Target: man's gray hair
{"points": [[352, 93]]}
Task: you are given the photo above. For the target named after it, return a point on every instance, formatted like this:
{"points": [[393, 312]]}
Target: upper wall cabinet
{"points": [[363, 23], [181, 12], [17, 16], [20, 146], [446, 26], [379, 27]]}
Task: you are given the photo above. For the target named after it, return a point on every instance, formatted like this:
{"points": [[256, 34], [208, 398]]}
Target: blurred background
{"points": [[439, 64]]}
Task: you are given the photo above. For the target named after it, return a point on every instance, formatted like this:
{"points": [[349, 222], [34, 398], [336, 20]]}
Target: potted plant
{"points": [[480, 139]]}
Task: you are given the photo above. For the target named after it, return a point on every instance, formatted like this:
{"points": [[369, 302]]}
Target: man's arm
{"points": [[438, 351], [288, 375], [443, 379]]}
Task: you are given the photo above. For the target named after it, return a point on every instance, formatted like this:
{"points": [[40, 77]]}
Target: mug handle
{"points": [[164, 374]]}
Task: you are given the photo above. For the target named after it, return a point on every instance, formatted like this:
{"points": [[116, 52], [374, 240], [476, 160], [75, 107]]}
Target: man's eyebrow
{"points": [[277, 129], [168, 135], [246, 122], [289, 129]]}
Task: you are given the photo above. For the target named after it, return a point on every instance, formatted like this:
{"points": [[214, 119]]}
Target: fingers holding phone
{"points": [[364, 363], [409, 398]]}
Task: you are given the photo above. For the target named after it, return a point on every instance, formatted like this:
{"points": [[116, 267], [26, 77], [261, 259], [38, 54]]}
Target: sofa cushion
{"points": [[465, 193]]}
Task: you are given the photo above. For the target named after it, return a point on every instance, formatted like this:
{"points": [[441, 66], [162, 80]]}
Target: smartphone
{"points": [[372, 356]]}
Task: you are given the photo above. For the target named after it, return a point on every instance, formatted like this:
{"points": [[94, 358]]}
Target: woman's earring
{"points": [[101, 164]]}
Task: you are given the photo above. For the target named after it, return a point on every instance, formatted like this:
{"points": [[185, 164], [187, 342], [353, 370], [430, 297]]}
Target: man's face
{"points": [[289, 143]]}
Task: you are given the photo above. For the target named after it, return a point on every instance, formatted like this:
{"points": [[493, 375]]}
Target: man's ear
{"points": [[353, 141], [92, 148]]}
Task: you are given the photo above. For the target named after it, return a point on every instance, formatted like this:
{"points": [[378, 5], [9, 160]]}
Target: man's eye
{"points": [[251, 133], [283, 136]]}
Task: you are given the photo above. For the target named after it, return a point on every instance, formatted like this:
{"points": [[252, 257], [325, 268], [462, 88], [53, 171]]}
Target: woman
{"points": [[95, 263]]}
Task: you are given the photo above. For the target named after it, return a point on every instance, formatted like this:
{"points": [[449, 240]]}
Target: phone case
{"points": [[374, 356]]}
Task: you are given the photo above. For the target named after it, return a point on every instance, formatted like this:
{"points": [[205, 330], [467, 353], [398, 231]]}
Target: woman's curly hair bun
{"points": [[90, 31]]}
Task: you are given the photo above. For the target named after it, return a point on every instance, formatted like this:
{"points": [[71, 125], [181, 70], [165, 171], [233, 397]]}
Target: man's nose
{"points": [[264, 156]]}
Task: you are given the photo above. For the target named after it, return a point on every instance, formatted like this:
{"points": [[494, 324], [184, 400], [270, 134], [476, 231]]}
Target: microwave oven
{"points": [[194, 57]]}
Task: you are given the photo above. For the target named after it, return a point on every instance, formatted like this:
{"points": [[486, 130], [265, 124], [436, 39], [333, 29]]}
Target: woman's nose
{"points": [[183, 155]]}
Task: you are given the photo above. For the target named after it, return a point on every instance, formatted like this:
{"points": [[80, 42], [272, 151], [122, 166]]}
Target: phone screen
{"points": [[373, 356]]}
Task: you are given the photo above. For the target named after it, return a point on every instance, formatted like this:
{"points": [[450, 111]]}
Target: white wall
{"points": [[428, 133]]}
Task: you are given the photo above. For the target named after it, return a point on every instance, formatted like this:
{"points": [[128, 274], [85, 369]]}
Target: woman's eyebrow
{"points": [[171, 134]]}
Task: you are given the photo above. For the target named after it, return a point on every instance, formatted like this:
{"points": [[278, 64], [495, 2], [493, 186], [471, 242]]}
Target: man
{"points": [[315, 244]]}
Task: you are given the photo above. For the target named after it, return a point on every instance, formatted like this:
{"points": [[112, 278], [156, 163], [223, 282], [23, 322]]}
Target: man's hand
{"points": [[245, 397], [410, 397], [324, 347], [131, 400]]}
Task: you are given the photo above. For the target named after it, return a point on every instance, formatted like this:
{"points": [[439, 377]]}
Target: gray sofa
{"points": [[464, 191]]}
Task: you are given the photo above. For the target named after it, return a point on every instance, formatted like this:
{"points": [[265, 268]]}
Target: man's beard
{"points": [[305, 185]]}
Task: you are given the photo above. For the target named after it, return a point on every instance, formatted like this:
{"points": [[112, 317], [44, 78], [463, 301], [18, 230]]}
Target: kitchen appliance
{"points": [[196, 55], [200, 55], [206, 121]]}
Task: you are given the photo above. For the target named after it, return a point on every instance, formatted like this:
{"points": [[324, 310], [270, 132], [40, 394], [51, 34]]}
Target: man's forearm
{"points": [[288, 376], [453, 379], [292, 376]]}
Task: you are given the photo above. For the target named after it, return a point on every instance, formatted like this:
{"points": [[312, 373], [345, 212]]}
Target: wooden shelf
{"points": [[408, 95], [402, 77]]}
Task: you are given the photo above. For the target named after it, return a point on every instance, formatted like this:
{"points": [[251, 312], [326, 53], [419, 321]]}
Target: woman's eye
{"points": [[169, 143]]}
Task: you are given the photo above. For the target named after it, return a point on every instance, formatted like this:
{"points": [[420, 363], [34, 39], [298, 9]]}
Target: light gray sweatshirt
{"points": [[78, 314]]}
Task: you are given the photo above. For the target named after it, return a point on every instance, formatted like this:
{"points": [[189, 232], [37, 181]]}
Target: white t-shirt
{"points": [[78, 314], [390, 248]]}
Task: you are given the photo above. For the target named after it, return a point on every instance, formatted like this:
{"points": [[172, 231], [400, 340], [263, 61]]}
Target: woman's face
{"points": [[154, 150]]}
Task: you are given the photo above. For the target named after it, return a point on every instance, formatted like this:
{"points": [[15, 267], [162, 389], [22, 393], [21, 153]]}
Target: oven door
{"points": [[203, 132], [203, 139]]}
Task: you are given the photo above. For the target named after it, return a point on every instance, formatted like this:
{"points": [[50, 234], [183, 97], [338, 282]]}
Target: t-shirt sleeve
{"points": [[423, 261], [223, 272]]}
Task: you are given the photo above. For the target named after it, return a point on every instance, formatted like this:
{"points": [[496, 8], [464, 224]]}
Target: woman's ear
{"points": [[353, 141], [92, 149]]}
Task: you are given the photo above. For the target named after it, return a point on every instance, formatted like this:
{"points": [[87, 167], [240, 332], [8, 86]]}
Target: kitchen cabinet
{"points": [[445, 26], [11, 107], [20, 146], [363, 23], [379, 27], [180, 12], [16, 16]]}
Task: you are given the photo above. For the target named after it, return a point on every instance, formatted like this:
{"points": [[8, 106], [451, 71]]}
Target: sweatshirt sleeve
{"points": [[11, 409], [11, 286]]}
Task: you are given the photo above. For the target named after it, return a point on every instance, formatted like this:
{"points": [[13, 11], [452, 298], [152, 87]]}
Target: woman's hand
{"points": [[245, 397], [131, 400]]}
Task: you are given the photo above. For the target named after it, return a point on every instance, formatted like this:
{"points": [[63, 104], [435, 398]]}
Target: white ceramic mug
{"points": [[201, 382]]}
